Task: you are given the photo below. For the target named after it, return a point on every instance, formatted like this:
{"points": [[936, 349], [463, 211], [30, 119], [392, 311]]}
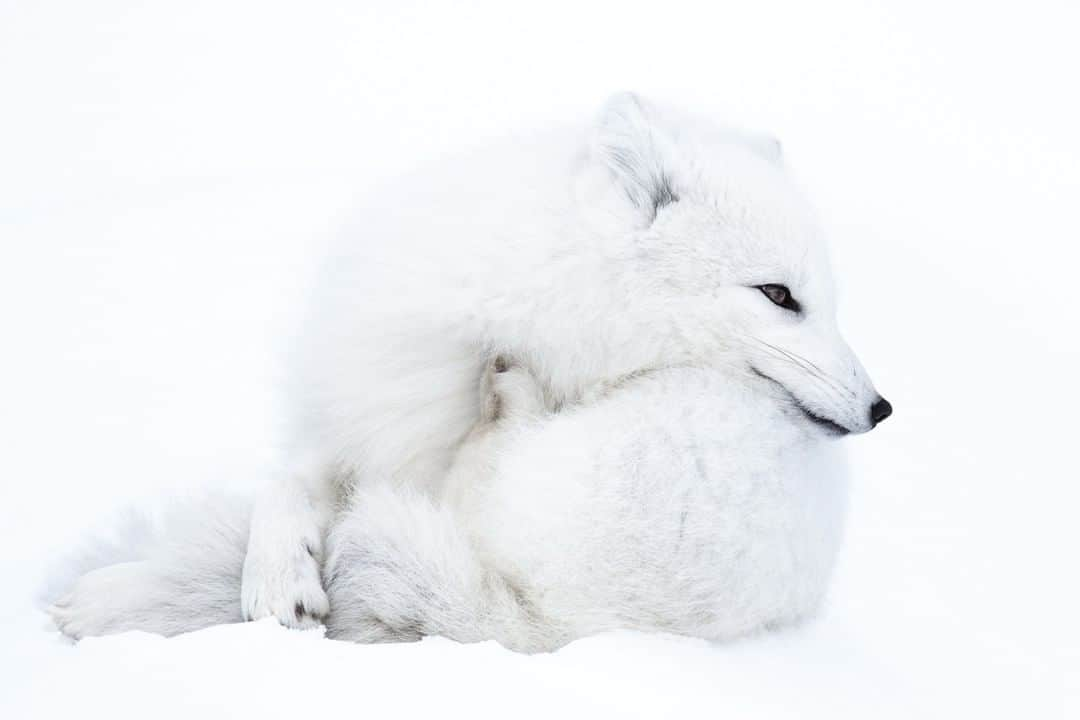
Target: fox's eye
{"points": [[781, 296]]}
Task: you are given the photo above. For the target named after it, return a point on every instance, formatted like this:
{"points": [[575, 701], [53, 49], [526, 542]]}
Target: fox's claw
{"points": [[287, 586]]}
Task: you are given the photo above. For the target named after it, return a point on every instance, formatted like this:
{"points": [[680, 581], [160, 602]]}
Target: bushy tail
{"points": [[170, 576], [399, 567]]}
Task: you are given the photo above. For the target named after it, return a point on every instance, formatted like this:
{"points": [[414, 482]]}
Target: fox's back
{"points": [[386, 365]]}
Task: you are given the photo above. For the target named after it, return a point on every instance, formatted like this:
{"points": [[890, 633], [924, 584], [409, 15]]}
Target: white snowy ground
{"points": [[169, 170]]}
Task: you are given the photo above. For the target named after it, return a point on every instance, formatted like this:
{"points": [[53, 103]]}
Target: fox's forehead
{"points": [[755, 218]]}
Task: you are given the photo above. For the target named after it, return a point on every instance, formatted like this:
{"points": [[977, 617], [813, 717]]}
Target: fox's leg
{"points": [[282, 569], [509, 393], [510, 399], [400, 567]]}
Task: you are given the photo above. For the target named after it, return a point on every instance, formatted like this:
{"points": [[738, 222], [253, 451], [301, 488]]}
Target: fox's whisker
{"points": [[835, 389]]}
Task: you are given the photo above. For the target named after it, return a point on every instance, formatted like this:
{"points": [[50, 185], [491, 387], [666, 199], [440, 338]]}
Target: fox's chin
{"points": [[826, 425], [829, 427]]}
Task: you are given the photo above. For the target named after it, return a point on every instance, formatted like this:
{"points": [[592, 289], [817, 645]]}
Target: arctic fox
{"points": [[588, 381]]}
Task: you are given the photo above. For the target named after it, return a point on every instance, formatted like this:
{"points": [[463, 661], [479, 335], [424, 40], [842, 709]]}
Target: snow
{"points": [[168, 172]]}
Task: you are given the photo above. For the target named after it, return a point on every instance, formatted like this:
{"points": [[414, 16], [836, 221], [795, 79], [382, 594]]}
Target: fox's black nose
{"points": [[879, 411]]}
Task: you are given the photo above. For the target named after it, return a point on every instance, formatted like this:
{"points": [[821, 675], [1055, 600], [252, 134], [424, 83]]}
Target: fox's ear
{"points": [[631, 146]]}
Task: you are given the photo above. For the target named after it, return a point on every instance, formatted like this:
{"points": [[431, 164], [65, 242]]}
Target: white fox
{"points": [[554, 388]]}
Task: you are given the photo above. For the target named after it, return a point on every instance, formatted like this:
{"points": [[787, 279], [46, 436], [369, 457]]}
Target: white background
{"points": [[168, 172]]}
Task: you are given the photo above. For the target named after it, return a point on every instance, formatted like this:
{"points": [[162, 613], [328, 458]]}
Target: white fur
{"points": [[175, 575], [640, 510], [654, 466]]}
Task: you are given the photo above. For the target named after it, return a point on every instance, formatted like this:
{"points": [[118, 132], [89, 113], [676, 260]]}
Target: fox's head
{"points": [[729, 254]]}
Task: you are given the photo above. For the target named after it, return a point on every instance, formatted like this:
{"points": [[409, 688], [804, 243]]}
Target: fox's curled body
{"points": [[540, 395]]}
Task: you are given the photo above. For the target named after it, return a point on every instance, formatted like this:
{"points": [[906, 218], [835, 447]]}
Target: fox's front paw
{"points": [[509, 391], [284, 582]]}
